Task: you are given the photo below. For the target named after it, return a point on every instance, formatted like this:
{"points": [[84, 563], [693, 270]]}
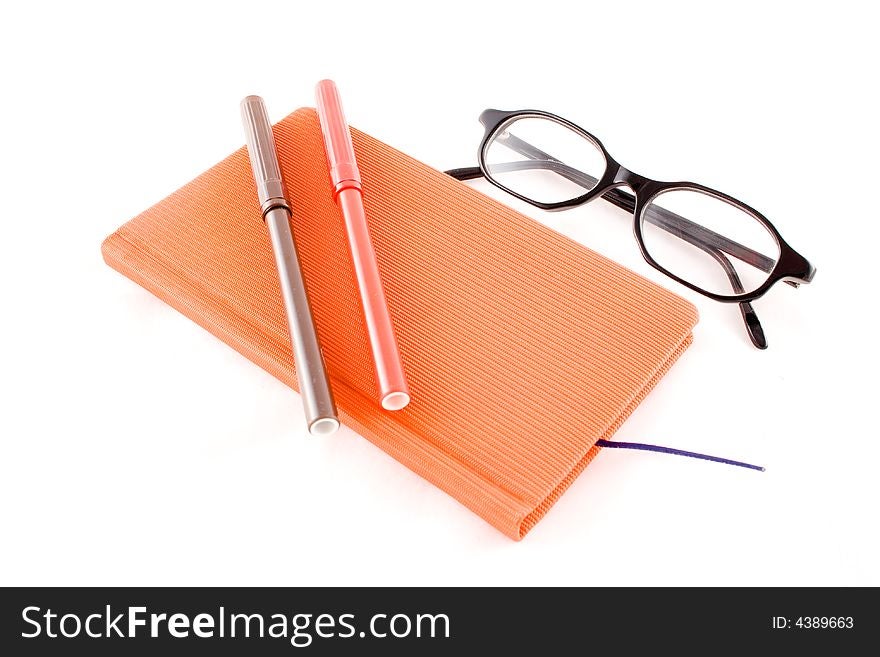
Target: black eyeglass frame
{"points": [[790, 267]]}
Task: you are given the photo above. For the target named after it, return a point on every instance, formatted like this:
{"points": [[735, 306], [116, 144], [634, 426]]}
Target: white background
{"points": [[138, 449]]}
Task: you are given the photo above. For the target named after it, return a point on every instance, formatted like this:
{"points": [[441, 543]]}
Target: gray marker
{"points": [[314, 386]]}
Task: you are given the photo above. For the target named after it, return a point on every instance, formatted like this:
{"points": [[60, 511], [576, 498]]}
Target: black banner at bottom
{"points": [[430, 621]]}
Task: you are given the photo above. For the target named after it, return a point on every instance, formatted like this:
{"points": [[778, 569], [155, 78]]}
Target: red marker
{"points": [[393, 392]]}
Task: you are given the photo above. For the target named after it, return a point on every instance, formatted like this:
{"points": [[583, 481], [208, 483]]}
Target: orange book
{"points": [[522, 348]]}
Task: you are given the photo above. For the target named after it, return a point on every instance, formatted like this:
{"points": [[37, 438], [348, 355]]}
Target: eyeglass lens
{"points": [[544, 160], [719, 247]]}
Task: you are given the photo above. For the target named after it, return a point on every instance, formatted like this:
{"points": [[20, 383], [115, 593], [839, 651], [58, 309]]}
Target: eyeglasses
{"points": [[702, 238]]}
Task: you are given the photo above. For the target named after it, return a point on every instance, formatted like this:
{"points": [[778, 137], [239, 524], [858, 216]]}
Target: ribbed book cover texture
{"points": [[522, 348]]}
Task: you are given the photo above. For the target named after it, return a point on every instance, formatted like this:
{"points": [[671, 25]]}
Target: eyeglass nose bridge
{"points": [[642, 188], [623, 176]]}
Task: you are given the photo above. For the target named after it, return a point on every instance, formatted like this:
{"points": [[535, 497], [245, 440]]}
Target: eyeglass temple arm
{"points": [[627, 202], [660, 217], [465, 173], [750, 317]]}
